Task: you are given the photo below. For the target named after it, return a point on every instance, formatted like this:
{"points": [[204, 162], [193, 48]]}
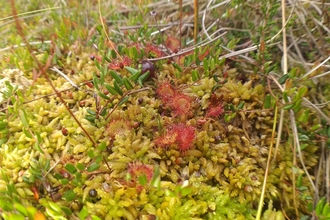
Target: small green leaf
{"points": [[66, 210], [90, 118], [64, 181], [303, 146], [69, 195], [58, 176], [310, 206], [302, 91], [6, 206], [186, 190], [117, 78], [91, 112], [319, 206], [3, 140], [53, 206], [194, 75], [103, 74], [39, 139], [96, 83], [143, 179], [27, 133], [283, 79], [216, 87], [155, 182], [299, 181], [83, 213], [77, 175], [98, 158], [303, 137], [24, 118], [206, 64], [169, 193], [14, 216], [267, 102], [135, 76], [227, 118], [240, 105], [91, 154], [103, 112], [36, 146], [97, 64], [178, 67], [20, 208], [143, 78], [232, 107], [132, 70], [70, 168], [127, 84], [110, 89], [125, 99], [326, 210], [231, 44], [47, 164], [80, 166], [94, 217], [113, 54], [212, 63], [288, 106], [3, 125], [118, 89], [215, 77], [102, 146], [103, 95], [93, 167]]}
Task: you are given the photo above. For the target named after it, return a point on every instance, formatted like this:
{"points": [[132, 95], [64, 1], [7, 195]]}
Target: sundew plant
{"points": [[164, 109]]}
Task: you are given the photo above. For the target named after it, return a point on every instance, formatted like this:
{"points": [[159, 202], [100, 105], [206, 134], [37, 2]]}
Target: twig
{"points": [[312, 70], [64, 76]]}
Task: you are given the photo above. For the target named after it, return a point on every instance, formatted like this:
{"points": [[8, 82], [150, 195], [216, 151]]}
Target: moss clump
{"points": [[210, 141]]}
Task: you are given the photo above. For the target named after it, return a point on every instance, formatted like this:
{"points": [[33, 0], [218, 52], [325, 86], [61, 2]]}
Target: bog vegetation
{"points": [[146, 109]]}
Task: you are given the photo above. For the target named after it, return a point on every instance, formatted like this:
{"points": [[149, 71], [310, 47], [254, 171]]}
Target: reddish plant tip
{"points": [[180, 134], [166, 140], [173, 44], [117, 64], [180, 104], [139, 169], [185, 137], [214, 111], [118, 127], [153, 50], [165, 91]]}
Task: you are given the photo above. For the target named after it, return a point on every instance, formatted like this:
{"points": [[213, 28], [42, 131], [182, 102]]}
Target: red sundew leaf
{"points": [[180, 104], [214, 111], [185, 136], [114, 65], [154, 51], [139, 169], [166, 140], [165, 91], [118, 127], [117, 64], [173, 44], [215, 100], [127, 61]]}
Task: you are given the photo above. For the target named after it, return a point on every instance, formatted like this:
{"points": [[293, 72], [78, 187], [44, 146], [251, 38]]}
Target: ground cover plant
{"points": [[164, 109]]}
